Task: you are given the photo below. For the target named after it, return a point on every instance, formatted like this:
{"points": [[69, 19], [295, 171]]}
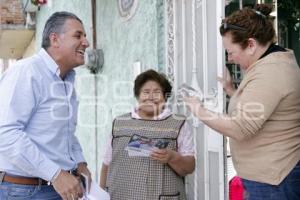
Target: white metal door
{"points": [[194, 55]]}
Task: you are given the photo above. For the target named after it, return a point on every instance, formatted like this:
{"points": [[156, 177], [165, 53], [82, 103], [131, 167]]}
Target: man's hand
{"points": [[67, 186], [82, 169], [162, 155]]}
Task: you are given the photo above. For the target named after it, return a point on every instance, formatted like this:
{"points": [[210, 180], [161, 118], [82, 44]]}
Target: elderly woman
{"points": [[263, 121], [161, 175]]}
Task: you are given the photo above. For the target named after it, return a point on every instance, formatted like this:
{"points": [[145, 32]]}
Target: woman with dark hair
{"points": [[161, 175], [263, 120]]}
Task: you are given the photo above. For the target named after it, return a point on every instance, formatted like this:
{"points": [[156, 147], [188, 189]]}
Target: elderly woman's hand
{"points": [[162, 155]]}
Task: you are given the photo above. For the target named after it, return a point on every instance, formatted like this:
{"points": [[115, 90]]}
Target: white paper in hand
{"points": [[96, 192], [143, 146]]}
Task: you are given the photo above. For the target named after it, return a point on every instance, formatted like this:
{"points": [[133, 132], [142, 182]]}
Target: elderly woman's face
{"points": [[236, 54], [151, 98]]}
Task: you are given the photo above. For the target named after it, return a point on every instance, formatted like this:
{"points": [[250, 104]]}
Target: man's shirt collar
{"points": [[52, 65]]}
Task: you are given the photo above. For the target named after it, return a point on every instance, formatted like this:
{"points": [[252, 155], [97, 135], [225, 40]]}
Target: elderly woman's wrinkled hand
{"points": [[162, 155]]}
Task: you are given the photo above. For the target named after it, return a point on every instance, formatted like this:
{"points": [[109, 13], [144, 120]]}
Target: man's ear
{"points": [[252, 46], [54, 40]]}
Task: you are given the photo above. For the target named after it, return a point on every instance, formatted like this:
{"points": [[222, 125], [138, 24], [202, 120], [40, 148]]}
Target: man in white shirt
{"points": [[40, 156]]}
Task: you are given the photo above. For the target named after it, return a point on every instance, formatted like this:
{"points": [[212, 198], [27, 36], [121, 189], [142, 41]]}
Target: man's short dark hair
{"points": [[152, 75], [55, 24]]}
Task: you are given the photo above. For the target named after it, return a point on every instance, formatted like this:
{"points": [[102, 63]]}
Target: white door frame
{"points": [[209, 145]]}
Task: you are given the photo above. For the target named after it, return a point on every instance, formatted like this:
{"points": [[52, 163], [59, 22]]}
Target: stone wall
{"points": [[11, 12]]}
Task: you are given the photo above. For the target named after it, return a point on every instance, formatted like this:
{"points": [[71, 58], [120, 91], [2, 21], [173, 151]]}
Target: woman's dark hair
{"points": [[250, 23], [152, 75]]}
